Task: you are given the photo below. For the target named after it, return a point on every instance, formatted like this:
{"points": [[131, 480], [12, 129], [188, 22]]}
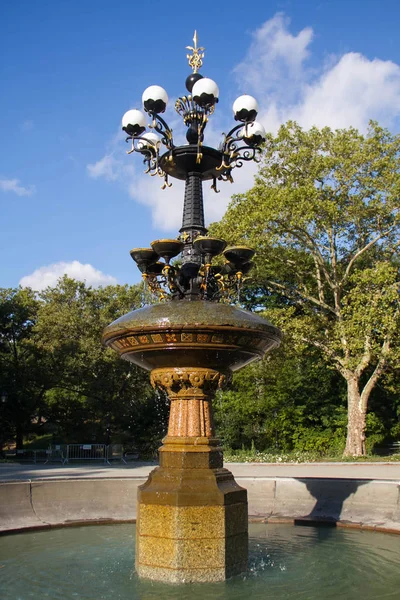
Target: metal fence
{"points": [[40, 455], [56, 453], [65, 453], [115, 452], [84, 452]]}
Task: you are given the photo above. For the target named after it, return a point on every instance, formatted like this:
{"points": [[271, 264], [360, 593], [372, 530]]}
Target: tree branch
{"points": [[366, 358], [333, 255], [321, 294], [274, 286], [329, 352], [309, 242], [361, 252], [379, 369]]}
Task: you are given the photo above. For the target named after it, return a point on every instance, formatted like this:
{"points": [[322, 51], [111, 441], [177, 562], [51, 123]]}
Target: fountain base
{"points": [[192, 516]]}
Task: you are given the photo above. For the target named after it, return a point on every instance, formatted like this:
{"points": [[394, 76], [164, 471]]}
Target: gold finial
{"points": [[195, 59]]}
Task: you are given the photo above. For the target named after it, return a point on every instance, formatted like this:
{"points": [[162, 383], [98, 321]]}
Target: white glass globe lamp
{"points": [[245, 108], [205, 92], [134, 122], [149, 141], [155, 99], [253, 133]]}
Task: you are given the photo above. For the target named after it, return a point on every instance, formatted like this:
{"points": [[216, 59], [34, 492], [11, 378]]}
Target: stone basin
{"points": [[191, 334]]}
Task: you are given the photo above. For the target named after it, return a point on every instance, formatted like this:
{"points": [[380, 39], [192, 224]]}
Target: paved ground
{"points": [[376, 471]]}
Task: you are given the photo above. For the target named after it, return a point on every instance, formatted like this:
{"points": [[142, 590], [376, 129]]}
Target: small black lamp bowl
{"points": [[155, 268], [239, 255], [143, 257], [209, 246], [167, 249], [246, 267]]}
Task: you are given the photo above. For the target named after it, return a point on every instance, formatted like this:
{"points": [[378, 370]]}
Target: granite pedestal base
{"points": [[192, 516]]}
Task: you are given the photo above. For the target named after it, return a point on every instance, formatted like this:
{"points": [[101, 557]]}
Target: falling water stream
{"points": [[296, 563]]}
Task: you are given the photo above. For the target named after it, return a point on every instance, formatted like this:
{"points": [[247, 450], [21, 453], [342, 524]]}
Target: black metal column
{"points": [[193, 217], [192, 226]]}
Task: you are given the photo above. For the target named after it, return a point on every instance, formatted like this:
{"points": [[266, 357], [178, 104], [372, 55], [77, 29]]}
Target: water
{"points": [[296, 563]]}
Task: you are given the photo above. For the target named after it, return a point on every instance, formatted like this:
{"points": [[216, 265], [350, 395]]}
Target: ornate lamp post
{"points": [[192, 516], [194, 163]]}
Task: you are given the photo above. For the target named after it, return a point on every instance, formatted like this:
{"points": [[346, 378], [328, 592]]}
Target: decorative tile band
{"points": [[193, 338]]}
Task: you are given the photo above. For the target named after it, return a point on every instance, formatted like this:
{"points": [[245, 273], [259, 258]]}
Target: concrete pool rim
{"points": [[46, 503]]}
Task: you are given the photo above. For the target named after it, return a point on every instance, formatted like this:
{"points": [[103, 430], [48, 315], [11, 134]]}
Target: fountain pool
{"points": [[285, 562]]}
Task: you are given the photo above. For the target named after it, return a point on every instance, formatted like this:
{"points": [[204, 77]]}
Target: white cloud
{"points": [[14, 185], [351, 93], [49, 275], [344, 91], [166, 205], [274, 56], [107, 167]]}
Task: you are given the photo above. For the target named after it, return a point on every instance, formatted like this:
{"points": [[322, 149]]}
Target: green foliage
{"points": [[325, 442], [66, 384], [324, 217], [376, 432], [281, 401], [40, 442], [24, 374], [297, 456], [270, 456]]}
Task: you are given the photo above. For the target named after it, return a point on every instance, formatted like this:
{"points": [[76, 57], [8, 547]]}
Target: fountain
{"points": [[192, 521], [192, 516]]}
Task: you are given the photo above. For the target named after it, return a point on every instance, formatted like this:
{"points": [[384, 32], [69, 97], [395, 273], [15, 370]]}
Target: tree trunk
{"points": [[355, 442]]}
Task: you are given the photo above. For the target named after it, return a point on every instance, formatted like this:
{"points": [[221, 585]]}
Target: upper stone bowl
{"points": [[191, 334]]}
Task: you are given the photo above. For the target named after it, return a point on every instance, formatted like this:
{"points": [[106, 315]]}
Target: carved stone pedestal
{"points": [[192, 515]]}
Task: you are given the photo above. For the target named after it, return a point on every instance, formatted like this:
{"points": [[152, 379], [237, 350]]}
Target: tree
{"points": [[24, 374], [287, 401], [324, 218], [94, 392], [57, 378]]}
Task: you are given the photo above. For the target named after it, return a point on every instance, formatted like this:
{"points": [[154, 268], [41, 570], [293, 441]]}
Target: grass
{"points": [[41, 442], [297, 456]]}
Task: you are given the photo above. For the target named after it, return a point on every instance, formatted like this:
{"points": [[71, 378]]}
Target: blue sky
{"points": [[71, 200]]}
